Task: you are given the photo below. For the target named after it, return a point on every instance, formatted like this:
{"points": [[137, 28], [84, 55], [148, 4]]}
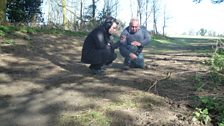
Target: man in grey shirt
{"points": [[133, 39]]}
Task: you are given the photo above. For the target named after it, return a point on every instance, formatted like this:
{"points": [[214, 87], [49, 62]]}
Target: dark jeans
{"points": [[137, 63], [108, 61]]}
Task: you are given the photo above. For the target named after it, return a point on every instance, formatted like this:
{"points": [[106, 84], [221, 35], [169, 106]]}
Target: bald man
{"points": [[133, 40]]}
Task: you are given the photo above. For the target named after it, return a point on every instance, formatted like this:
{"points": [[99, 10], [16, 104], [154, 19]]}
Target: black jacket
{"points": [[96, 47]]}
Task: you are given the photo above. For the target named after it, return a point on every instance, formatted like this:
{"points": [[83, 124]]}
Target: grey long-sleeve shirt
{"points": [[141, 36]]}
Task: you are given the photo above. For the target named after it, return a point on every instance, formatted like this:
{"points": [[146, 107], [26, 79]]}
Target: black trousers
{"points": [[108, 61]]}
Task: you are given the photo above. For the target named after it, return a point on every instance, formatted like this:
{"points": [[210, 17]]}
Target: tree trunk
{"points": [[81, 15], [139, 10], [2, 10], [94, 10], [155, 23], [65, 20], [146, 13], [154, 7], [164, 21]]}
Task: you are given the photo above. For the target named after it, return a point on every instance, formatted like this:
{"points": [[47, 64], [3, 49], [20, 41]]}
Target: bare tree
{"points": [[109, 8], [89, 12], [143, 11], [65, 20], [81, 14], [94, 9], [131, 8], [140, 4], [148, 12], [213, 1], [2, 9], [54, 13], [155, 11], [62, 13], [165, 19]]}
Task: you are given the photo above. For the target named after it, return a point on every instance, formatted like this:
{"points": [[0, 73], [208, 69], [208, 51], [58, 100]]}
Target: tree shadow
{"points": [[52, 63]]}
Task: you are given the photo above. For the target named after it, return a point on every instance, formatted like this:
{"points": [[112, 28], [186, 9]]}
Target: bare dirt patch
{"points": [[43, 83]]}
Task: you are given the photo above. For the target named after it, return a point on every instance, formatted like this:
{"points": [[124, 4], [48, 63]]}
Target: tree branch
{"points": [[156, 81]]}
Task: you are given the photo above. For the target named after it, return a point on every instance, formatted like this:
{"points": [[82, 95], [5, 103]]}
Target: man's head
{"points": [[111, 25], [134, 25]]}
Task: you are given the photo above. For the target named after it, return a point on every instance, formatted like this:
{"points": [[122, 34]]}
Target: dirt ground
{"points": [[43, 83]]}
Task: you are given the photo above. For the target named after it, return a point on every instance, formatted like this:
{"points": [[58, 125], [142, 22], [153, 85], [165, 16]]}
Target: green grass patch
{"points": [[142, 100], [55, 31], [127, 103], [175, 44], [8, 42], [87, 118], [5, 30], [103, 116]]}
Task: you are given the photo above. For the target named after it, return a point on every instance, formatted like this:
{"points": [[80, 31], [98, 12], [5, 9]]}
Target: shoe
{"points": [[126, 67], [104, 67], [97, 71], [146, 67]]}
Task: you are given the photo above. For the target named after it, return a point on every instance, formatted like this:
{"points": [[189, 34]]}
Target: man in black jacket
{"points": [[98, 48]]}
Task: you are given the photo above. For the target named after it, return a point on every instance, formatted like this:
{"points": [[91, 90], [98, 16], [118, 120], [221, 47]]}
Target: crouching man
{"points": [[133, 39], [98, 49]]}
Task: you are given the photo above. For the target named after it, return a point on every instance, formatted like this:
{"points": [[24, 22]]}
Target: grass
{"points": [[8, 42], [6, 30], [59, 31], [174, 44], [111, 111], [86, 118]]}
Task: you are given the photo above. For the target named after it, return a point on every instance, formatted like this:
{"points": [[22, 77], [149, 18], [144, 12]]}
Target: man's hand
{"points": [[136, 43], [132, 56], [122, 38]]}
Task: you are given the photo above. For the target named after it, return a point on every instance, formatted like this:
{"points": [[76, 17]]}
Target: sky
{"points": [[185, 15]]}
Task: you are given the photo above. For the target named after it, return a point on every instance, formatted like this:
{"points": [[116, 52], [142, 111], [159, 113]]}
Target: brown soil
{"points": [[42, 82]]}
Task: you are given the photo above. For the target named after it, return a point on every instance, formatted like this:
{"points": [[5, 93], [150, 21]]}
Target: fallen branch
{"points": [[156, 81]]}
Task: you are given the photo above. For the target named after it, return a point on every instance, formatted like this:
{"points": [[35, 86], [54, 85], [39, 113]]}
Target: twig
{"points": [[156, 81]]}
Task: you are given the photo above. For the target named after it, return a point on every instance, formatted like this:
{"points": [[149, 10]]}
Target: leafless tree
{"points": [[148, 12], [143, 11], [94, 9], [110, 8], [131, 9], [165, 19], [155, 11], [2, 10], [65, 20], [140, 4]]}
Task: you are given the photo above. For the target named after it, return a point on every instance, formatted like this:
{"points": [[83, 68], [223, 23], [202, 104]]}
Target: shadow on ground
{"points": [[44, 78]]}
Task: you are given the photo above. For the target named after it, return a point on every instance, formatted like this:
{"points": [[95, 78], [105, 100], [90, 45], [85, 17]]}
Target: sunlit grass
{"points": [[163, 41], [86, 118], [174, 44], [8, 42], [6, 30], [104, 115], [135, 101], [59, 31]]}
